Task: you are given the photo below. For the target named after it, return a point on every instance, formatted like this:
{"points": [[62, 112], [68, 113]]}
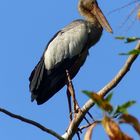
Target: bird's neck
{"points": [[88, 16]]}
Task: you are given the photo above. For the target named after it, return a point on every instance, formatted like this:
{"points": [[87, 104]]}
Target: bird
{"points": [[67, 50]]}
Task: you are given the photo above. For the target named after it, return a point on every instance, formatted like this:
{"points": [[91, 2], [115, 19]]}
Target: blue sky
{"points": [[25, 28]]}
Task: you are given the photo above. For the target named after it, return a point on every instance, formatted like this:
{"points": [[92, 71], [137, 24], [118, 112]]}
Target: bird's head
{"points": [[91, 10]]}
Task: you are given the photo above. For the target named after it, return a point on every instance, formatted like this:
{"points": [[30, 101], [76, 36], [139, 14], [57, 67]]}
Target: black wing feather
{"points": [[44, 84], [37, 75]]}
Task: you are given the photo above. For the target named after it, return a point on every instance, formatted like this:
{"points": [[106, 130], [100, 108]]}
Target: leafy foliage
{"points": [[128, 39], [129, 119], [109, 97], [102, 103], [122, 109], [113, 130], [131, 52], [113, 117]]}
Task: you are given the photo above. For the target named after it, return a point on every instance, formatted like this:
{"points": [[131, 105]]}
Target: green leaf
{"points": [[131, 39], [123, 54], [127, 39], [131, 52], [102, 103], [123, 108], [128, 104], [134, 52], [109, 97], [129, 119], [120, 37], [88, 93]]}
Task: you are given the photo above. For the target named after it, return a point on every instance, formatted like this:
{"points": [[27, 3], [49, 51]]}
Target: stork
{"points": [[67, 50]]}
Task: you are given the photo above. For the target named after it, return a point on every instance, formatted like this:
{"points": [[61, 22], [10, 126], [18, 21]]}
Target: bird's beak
{"points": [[101, 18]]}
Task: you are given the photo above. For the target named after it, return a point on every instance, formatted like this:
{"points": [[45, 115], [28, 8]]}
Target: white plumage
{"points": [[65, 45]]}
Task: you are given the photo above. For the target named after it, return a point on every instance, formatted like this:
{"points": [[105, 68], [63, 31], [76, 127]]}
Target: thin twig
{"points": [[86, 126], [128, 17], [113, 83], [124, 6], [38, 125]]}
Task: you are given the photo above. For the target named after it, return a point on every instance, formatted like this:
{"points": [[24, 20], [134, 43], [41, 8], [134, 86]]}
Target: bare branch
{"points": [[113, 83], [86, 126], [73, 128], [32, 123]]}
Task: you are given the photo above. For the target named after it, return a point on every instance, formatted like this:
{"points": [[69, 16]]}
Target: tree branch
{"points": [[81, 114], [113, 83], [32, 123]]}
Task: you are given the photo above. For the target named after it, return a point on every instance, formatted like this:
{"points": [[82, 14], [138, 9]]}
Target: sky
{"points": [[25, 28]]}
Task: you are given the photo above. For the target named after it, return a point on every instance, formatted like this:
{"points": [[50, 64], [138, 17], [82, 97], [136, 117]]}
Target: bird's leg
{"points": [[71, 91], [69, 104]]}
